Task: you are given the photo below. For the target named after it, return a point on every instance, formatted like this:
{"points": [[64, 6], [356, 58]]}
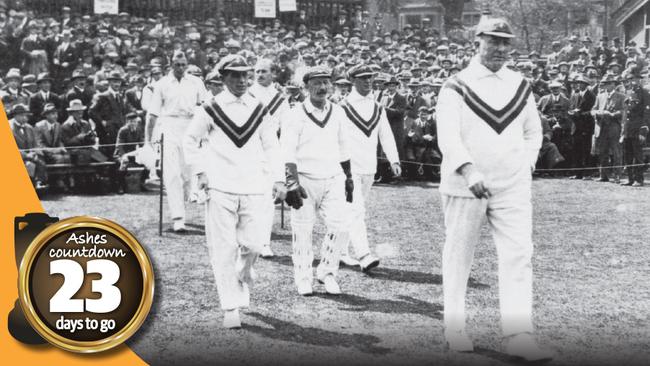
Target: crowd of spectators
{"points": [[75, 81]]}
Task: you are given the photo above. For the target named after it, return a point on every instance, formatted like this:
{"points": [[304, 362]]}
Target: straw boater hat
{"points": [[76, 105]]}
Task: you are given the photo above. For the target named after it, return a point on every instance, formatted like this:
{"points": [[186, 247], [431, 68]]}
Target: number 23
{"points": [[73, 274]]}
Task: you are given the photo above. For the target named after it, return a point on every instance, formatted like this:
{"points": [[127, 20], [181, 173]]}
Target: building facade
{"points": [[633, 16]]}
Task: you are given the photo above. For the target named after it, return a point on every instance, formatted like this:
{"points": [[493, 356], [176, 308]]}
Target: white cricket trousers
{"points": [[327, 197], [232, 223], [509, 216], [358, 231], [176, 174]]}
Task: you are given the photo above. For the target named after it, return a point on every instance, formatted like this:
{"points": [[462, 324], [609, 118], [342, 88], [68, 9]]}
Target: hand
{"points": [[642, 139], [349, 188], [479, 190], [294, 197], [202, 179], [279, 192], [620, 141], [410, 134], [428, 137], [65, 64], [396, 169], [475, 181], [104, 123]]}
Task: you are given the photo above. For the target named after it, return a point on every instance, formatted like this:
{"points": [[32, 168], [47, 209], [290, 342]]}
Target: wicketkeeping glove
{"points": [[295, 193], [349, 183]]}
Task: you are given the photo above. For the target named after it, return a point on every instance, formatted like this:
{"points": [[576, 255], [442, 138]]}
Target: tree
{"points": [[453, 14], [539, 22]]}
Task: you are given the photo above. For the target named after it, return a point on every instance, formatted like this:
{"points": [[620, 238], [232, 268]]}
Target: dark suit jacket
{"points": [[37, 102], [46, 137], [558, 110], [85, 96], [106, 107], [396, 107], [582, 120], [74, 134], [25, 137], [69, 55], [133, 102]]}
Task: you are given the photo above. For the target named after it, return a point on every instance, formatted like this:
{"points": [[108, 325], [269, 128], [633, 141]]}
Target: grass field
{"points": [[591, 267]]}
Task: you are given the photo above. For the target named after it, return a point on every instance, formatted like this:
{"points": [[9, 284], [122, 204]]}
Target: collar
{"points": [[355, 96], [311, 108], [479, 71], [226, 97]]}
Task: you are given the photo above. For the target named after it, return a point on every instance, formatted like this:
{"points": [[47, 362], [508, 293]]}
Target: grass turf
{"points": [[591, 272]]}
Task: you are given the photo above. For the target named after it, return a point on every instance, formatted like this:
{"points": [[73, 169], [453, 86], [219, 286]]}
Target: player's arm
{"points": [[271, 146], [344, 156], [387, 141], [196, 131], [289, 139], [452, 147], [532, 132], [448, 117], [155, 105]]}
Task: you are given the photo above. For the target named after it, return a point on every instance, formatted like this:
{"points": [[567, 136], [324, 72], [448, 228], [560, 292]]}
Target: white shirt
{"points": [[266, 95], [363, 147], [505, 159], [147, 94], [317, 151], [229, 168], [174, 98]]}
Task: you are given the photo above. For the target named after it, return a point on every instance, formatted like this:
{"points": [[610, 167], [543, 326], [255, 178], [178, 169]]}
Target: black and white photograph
{"points": [[353, 182]]}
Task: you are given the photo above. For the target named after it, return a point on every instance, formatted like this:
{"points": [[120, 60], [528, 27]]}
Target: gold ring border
{"points": [[147, 280]]}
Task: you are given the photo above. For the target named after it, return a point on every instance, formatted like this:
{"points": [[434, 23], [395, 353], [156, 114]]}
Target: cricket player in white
{"points": [[265, 90], [366, 124], [319, 178], [172, 105], [490, 135], [232, 166]]}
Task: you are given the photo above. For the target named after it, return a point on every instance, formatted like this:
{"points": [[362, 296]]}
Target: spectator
{"points": [[48, 136], [26, 140]]}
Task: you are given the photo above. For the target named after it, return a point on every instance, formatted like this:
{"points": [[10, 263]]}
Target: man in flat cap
{"points": [[489, 141], [230, 147], [107, 110], [555, 108], [580, 103], [635, 128], [129, 138], [172, 106], [367, 125], [315, 150], [48, 135], [26, 140], [608, 113], [43, 96]]}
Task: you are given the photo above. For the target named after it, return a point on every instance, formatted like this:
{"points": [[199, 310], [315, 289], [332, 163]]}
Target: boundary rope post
{"points": [[162, 173]]}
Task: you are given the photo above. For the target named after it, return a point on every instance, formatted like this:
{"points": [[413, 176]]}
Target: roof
{"points": [[625, 11]]}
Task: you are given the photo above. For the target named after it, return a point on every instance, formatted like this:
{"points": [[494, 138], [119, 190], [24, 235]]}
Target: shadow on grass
{"points": [[506, 358], [188, 232], [409, 183], [281, 237], [389, 274], [406, 305], [290, 332]]}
